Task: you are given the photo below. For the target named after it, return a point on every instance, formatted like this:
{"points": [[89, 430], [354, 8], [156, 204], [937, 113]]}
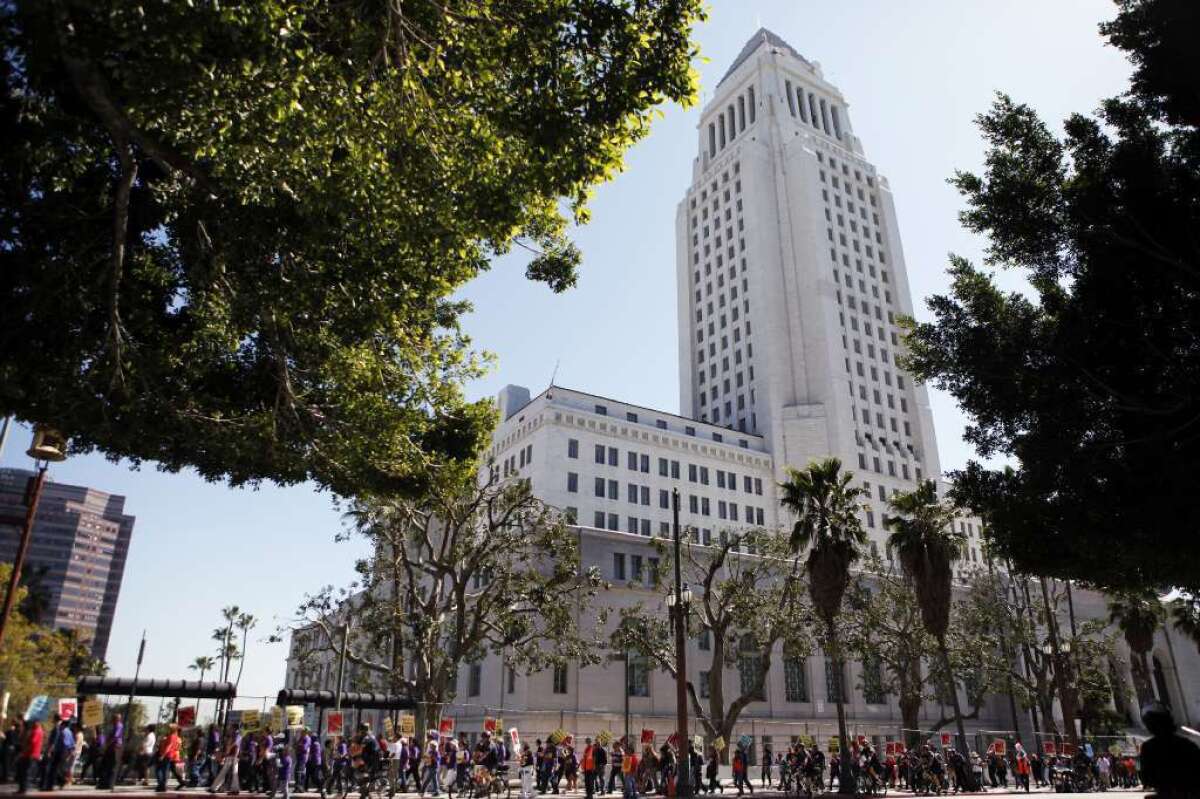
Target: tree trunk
{"points": [[1142, 685], [910, 717], [845, 780], [963, 748]]}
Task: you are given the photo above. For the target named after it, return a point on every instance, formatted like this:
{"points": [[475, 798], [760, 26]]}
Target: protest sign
{"points": [[39, 708], [334, 722], [648, 736], [1049, 748], [719, 743], [186, 717], [93, 713], [295, 715], [408, 724], [446, 727], [251, 720]]}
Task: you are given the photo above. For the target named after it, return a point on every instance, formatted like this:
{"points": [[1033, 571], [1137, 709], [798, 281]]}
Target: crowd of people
{"points": [[296, 760]]}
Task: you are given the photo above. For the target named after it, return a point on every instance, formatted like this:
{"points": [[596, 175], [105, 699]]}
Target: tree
{"points": [[202, 664], [827, 526], [272, 204], [748, 601], [884, 626], [38, 660], [1138, 615], [459, 573], [1185, 617], [925, 541], [245, 622], [1089, 379]]}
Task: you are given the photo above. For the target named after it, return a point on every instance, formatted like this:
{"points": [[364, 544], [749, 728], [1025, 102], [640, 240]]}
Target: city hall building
{"points": [[790, 284]]}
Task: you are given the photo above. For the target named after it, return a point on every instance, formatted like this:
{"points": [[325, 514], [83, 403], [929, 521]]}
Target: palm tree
{"points": [[924, 539], [227, 650], [827, 524], [203, 664], [1185, 616], [1138, 614], [245, 622]]}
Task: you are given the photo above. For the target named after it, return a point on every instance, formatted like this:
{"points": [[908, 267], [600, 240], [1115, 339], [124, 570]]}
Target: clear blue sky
{"points": [[914, 74]]}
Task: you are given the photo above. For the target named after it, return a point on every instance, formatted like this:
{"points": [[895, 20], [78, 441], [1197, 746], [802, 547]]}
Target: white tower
{"points": [[791, 280]]}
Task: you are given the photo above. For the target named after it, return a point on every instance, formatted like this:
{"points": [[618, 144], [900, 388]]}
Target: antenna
{"points": [[554, 374], [757, 21]]}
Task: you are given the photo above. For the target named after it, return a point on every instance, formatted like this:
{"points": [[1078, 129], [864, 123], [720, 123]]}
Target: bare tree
{"points": [[457, 573]]}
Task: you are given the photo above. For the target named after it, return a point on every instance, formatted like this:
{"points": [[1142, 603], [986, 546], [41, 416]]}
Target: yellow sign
{"points": [[807, 740], [408, 724], [719, 744], [276, 718], [250, 720], [93, 713], [388, 727], [604, 737], [295, 715], [557, 736], [835, 744]]}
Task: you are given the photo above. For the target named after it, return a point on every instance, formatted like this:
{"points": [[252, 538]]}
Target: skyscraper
{"points": [[791, 280], [76, 556]]}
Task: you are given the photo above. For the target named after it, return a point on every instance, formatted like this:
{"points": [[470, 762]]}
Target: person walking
{"points": [[615, 774], [710, 772], [60, 743], [110, 759], [629, 772], [740, 764], [430, 761], [589, 768], [227, 777], [767, 762], [30, 756], [168, 758]]}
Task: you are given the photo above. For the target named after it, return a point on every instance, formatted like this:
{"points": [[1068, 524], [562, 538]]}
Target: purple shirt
{"points": [[315, 752], [117, 739], [302, 749]]}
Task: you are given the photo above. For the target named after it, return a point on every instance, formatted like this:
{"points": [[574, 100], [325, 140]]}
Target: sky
{"points": [[914, 74]]}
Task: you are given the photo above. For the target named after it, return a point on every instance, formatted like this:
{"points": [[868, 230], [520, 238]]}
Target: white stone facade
{"points": [[791, 282]]}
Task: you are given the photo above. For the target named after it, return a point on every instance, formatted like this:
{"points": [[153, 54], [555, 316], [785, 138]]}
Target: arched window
{"points": [[752, 105]]}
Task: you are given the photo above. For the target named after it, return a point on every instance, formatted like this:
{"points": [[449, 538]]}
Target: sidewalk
{"points": [[87, 791]]}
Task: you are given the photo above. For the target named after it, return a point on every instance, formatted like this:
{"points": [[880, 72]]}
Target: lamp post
{"points": [[677, 602], [48, 447]]}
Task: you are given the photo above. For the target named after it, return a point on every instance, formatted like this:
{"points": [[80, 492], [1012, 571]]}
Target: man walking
{"points": [[30, 756], [61, 742], [589, 768], [227, 777]]}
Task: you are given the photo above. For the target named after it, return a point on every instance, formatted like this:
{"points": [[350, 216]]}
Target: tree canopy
{"points": [[1090, 380], [230, 233]]}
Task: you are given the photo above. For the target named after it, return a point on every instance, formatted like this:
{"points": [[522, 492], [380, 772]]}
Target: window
{"points": [[795, 680], [560, 678], [663, 467], [614, 490], [603, 411], [833, 682], [630, 416], [705, 642], [661, 424], [600, 489], [572, 448], [637, 681], [635, 567], [872, 681], [612, 456], [750, 670], [572, 483], [474, 678], [598, 520], [692, 472], [632, 494], [618, 565], [674, 470], [704, 692], [632, 461], [664, 498], [510, 678], [600, 454]]}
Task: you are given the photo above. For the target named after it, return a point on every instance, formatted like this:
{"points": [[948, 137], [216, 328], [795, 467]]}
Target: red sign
{"points": [[489, 724], [648, 737], [516, 739], [1048, 747], [1068, 749], [66, 709], [187, 716], [569, 741], [446, 727], [889, 748], [999, 746], [945, 739], [900, 748], [334, 723]]}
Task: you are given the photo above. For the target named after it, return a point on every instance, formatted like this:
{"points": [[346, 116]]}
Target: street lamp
{"points": [[677, 603], [49, 446]]}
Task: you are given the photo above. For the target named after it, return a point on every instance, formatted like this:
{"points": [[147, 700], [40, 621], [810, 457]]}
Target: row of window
{"points": [[816, 111], [640, 462], [630, 416], [728, 125]]}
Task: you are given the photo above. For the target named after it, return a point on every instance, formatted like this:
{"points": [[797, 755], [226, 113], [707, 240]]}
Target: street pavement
{"points": [[86, 791]]}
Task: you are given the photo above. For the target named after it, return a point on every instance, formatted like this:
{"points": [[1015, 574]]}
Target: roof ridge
{"points": [[760, 37]]}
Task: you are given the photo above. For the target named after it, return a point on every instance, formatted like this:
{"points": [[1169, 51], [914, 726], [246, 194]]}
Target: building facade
{"points": [[791, 284], [77, 554]]}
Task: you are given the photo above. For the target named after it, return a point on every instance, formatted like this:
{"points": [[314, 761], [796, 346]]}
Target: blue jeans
{"points": [[630, 786]]}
